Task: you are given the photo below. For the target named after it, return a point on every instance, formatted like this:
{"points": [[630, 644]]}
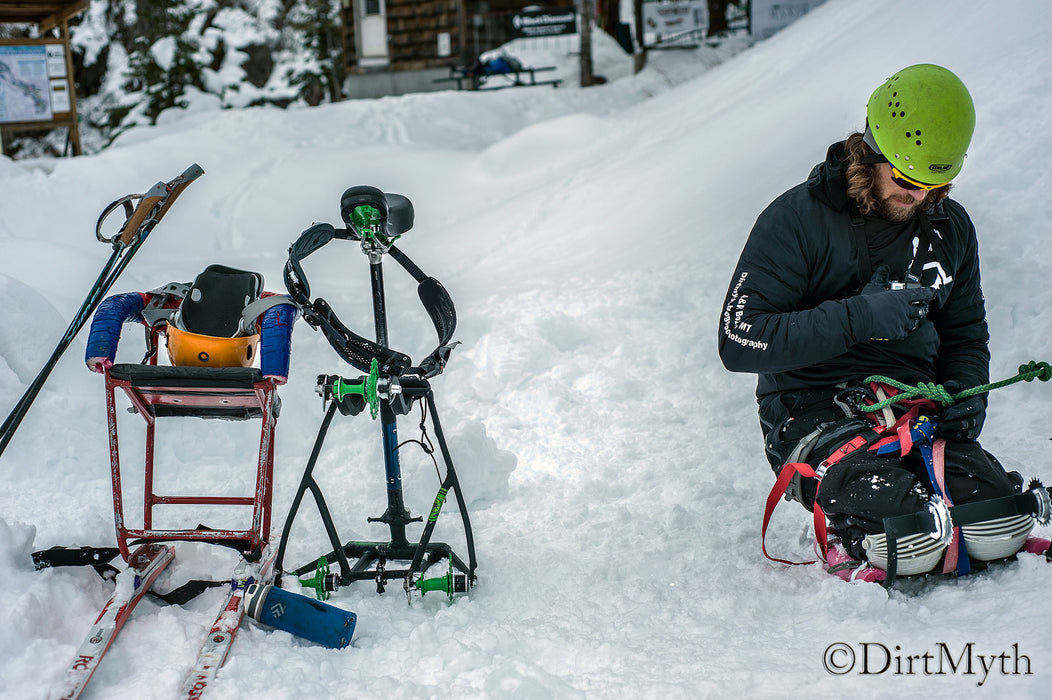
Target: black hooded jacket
{"points": [[792, 313]]}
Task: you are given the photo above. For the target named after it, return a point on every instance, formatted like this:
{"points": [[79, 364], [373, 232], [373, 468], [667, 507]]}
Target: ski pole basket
{"points": [[391, 387], [232, 393]]}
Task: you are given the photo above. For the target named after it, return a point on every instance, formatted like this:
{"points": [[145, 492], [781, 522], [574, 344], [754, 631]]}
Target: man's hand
{"points": [[963, 421], [889, 314]]}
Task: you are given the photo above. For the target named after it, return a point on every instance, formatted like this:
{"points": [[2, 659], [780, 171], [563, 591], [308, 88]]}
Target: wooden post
{"points": [[585, 18], [641, 52], [74, 126]]}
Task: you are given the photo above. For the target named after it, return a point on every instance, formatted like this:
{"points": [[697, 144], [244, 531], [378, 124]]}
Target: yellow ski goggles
{"points": [[908, 183]]}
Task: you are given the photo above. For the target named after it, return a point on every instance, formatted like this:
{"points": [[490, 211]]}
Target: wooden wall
{"points": [[413, 27]]}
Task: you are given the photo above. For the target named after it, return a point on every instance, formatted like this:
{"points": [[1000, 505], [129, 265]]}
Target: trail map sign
{"points": [[25, 85]]}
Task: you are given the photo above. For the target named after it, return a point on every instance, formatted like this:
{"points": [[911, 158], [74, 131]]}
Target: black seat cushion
{"points": [[214, 303], [164, 375]]}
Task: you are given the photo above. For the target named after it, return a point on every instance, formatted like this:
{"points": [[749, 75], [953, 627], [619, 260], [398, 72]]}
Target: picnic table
{"points": [[497, 74]]}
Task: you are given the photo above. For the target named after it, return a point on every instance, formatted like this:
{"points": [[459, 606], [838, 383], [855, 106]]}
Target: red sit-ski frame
{"points": [[230, 393]]}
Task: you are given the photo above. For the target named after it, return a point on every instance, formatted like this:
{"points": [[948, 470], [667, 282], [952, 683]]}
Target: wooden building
{"points": [[398, 46]]}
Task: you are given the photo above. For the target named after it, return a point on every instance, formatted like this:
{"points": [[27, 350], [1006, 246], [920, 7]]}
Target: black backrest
{"points": [[214, 303]]}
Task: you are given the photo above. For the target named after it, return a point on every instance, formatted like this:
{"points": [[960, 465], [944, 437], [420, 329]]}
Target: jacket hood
{"points": [[827, 182]]}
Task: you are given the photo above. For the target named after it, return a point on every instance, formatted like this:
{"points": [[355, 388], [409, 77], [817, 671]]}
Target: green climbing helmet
{"points": [[921, 120]]}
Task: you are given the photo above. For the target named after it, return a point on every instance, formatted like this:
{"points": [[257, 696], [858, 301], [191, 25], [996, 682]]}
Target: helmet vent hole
{"points": [[918, 142], [907, 134]]}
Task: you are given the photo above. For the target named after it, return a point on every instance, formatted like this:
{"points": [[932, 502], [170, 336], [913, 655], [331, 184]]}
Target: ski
{"points": [[147, 562], [220, 638], [139, 222]]}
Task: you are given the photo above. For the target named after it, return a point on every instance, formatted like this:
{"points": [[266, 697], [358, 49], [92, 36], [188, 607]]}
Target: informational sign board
{"points": [[24, 88], [536, 23], [768, 16], [36, 74], [663, 19], [34, 82]]}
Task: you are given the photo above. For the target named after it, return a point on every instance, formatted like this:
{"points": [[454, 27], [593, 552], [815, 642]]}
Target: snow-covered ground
{"points": [[614, 470]]}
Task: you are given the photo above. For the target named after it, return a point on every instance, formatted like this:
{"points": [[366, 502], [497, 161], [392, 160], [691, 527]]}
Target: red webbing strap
{"points": [[905, 436], [777, 491], [805, 470], [938, 464], [900, 431]]}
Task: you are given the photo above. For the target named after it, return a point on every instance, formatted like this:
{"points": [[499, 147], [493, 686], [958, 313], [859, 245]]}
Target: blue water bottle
{"points": [[304, 617]]}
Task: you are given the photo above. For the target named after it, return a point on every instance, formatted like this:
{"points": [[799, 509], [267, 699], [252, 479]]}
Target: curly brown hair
{"points": [[859, 177]]}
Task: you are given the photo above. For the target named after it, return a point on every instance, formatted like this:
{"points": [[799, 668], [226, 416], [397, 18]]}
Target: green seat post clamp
{"points": [[366, 388], [368, 224]]}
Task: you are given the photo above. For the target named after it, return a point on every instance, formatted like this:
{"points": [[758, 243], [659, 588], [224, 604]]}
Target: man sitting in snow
{"points": [[868, 269]]}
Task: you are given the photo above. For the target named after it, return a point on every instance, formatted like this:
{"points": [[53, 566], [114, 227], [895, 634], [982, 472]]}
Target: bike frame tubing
{"points": [[396, 516]]}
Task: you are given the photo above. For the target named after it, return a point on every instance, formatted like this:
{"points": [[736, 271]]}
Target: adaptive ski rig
{"points": [[150, 557], [390, 386], [164, 391]]}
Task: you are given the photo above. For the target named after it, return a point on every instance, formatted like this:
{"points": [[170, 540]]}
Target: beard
{"points": [[887, 208]]}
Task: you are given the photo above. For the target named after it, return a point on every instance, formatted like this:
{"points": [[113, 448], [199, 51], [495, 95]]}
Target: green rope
{"points": [[937, 393]]}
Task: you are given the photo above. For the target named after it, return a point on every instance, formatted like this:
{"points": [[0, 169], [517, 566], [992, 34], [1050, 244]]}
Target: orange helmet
{"points": [[186, 349]]}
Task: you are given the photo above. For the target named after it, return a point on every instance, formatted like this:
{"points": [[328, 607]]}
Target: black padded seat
{"points": [[166, 375], [201, 392]]}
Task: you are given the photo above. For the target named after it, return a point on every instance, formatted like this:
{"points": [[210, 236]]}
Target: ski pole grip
{"points": [[189, 175], [138, 217]]}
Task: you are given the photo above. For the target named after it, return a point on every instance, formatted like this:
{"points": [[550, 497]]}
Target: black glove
{"points": [[883, 313], [963, 421]]}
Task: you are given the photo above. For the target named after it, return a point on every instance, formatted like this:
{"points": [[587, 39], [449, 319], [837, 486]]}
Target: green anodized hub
{"points": [[366, 388], [317, 582], [449, 584]]}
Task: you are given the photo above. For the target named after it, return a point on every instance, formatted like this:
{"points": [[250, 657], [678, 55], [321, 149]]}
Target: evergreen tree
{"points": [[161, 63], [317, 24]]}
